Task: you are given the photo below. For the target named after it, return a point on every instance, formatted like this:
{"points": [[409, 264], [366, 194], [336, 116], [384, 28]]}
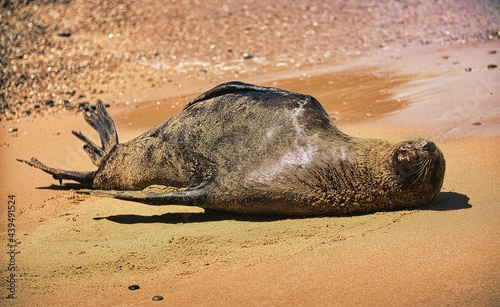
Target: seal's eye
{"points": [[405, 169]]}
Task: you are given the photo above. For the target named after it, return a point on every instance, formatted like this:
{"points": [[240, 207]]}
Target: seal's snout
{"points": [[430, 147]]}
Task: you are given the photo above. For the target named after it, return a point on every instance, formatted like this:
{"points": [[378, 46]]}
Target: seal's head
{"points": [[420, 166]]}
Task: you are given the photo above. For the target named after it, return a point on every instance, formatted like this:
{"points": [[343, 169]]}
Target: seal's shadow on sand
{"points": [[62, 187], [444, 201], [181, 218]]}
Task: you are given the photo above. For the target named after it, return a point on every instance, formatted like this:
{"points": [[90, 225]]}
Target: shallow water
{"points": [[347, 96], [350, 95]]}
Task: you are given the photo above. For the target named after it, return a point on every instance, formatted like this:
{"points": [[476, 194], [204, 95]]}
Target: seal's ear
{"points": [[194, 197]]}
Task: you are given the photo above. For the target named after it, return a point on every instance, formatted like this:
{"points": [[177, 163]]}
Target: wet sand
{"points": [[84, 250], [79, 250]]}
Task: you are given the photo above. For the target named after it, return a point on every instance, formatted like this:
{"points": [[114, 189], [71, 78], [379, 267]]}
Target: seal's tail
{"points": [[104, 125]]}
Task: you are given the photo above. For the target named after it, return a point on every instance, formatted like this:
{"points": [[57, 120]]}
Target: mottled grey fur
{"points": [[258, 150]]}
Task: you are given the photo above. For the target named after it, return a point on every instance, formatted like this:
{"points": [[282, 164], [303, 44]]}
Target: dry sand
{"points": [[86, 251]]}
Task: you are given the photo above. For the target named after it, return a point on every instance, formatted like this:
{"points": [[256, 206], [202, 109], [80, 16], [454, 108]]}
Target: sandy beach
{"points": [[397, 72]]}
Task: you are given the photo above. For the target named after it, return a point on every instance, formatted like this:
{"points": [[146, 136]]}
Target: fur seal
{"points": [[249, 149]]}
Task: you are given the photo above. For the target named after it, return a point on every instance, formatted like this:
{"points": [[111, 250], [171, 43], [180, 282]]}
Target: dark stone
{"points": [[84, 106], [48, 103], [64, 33], [157, 298]]}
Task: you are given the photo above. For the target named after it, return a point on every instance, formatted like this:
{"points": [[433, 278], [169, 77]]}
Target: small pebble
{"points": [[48, 102], [64, 33], [493, 51], [468, 69], [12, 129], [134, 287], [84, 106], [492, 66], [64, 102], [247, 56], [157, 298], [477, 124]]}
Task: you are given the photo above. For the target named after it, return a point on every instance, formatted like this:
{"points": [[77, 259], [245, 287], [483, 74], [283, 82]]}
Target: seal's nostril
{"points": [[430, 146]]}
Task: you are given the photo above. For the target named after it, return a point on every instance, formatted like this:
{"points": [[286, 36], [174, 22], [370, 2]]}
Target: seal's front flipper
{"points": [[104, 125], [154, 196], [84, 178]]}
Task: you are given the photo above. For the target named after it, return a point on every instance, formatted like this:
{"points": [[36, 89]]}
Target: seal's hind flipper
{"points": [[84, 178], [95, 153], [104, 125], [195, 197]]}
